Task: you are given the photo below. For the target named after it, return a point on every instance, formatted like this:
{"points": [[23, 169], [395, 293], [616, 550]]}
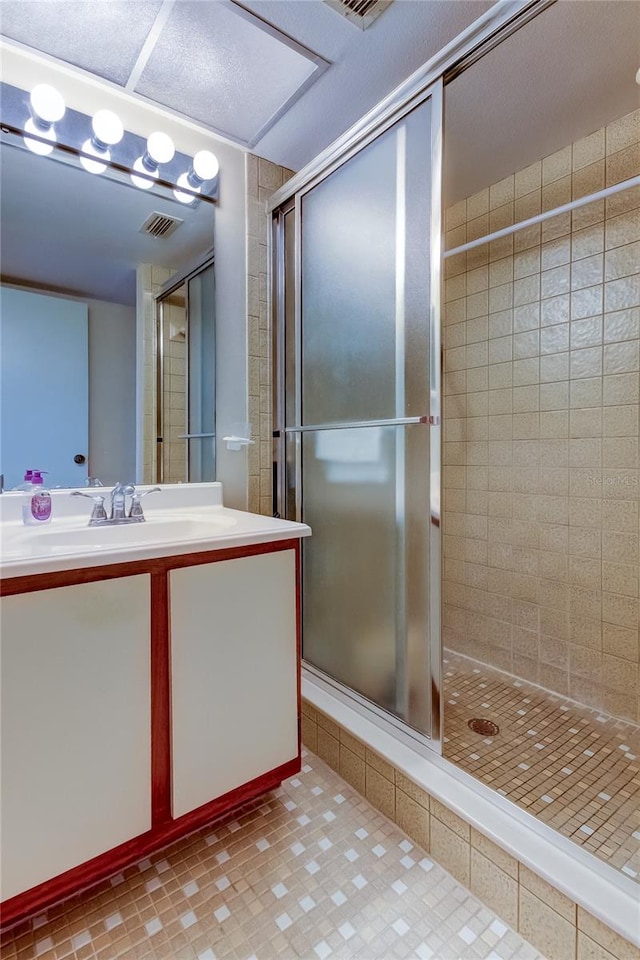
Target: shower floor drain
{"points": [[486, 728]]}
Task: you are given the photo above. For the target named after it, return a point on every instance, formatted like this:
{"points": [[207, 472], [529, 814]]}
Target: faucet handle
{"points": [[98, 512], [136, 506], [147, 492]]}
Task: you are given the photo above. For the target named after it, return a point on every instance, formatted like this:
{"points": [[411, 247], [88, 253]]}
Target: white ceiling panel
{"points": [[98, 35], [366, 65], [226, 68]]}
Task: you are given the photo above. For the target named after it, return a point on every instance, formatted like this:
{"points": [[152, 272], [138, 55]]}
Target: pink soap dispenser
{"points": [[37, 507]]}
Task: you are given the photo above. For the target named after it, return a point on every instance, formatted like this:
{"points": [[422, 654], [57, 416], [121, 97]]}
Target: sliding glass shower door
{"points": [[359, 417]]}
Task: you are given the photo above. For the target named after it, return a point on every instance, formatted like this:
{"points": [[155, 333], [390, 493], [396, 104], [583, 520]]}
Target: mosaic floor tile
{"points": [[572, 767], [261, 885]]}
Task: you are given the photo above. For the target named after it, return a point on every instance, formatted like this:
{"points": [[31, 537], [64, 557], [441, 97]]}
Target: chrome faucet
{"points": [[118, 514], [119, 496]]}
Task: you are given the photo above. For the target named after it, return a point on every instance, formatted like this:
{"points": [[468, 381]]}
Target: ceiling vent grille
{"points": [[362, 13], [160, 225]]}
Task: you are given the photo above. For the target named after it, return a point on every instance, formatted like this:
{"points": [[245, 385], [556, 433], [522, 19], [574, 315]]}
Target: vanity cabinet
{"points": [[76, 716], [233, 674], [140, 701]]}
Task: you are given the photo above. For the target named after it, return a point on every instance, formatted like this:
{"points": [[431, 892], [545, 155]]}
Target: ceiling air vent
{"points": [[159, 225], [362, 13]]}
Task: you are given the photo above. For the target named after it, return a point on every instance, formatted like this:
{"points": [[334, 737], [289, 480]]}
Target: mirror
{"points": [[68, 239]]}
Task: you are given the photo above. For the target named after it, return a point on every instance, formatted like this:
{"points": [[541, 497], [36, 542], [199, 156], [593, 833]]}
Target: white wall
{"points": [[112, 391], [231, 321]]}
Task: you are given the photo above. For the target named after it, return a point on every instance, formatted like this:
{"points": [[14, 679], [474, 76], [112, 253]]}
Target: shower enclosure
{"points": [[357, 400], [538, 694]]}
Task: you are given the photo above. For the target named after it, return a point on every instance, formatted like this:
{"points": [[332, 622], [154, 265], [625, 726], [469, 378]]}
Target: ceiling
{"points": [[552, 82], [285, 77]]}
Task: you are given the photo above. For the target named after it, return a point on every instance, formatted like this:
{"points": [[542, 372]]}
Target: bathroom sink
{"points": [[151, 531], [182, 519]]}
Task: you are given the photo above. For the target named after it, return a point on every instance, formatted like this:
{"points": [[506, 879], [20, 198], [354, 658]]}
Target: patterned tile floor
{"points": [[311, 871], [570, 766]]}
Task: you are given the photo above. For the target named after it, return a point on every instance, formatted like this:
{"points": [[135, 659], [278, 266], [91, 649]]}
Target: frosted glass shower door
{"points": [[360, 450]]}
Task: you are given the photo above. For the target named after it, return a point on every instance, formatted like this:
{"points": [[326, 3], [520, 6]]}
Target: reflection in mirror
{"points": [[186, 381], [75, 254]]}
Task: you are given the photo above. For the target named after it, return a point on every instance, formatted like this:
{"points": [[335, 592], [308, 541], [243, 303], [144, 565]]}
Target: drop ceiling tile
{"points": [[103, 36], [218, 64]]}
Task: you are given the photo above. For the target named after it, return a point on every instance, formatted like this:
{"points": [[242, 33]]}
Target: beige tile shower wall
{"points": [[541, 385], [174, 394], [263, 179]]}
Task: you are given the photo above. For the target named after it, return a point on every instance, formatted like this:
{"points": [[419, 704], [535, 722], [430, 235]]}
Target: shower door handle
{"points": [[195, 436], [360, 424]]}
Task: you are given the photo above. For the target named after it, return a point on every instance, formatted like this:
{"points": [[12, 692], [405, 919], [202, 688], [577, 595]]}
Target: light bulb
{"points": [[142, 182], [205, 165], [160, 147], [183, 181], [93, 166], [47, 106], [107, 127], [47, 103], [43, 149]]}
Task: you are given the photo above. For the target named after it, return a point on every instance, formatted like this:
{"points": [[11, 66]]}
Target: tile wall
{"points": [[174, 390], [263, 179], [548, 919], [541, 391]]}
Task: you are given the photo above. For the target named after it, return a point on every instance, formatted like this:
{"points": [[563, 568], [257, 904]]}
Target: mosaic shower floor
{"points": [[572, 767], [311, 870]]}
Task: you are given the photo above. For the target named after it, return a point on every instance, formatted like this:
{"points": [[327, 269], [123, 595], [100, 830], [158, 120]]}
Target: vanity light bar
{"points": [[39, 134]]}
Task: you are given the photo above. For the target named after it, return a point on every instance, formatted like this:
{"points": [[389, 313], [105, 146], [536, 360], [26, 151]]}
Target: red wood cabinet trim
{"points": [[106, 864], [160, 701], [9, 586]]}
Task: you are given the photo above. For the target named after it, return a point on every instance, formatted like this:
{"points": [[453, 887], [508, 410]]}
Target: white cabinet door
{"points": [[234, 674], [76, 728]]}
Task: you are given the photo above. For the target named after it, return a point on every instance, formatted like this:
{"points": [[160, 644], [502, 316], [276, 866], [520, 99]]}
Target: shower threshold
{"points": [[607, 893]]}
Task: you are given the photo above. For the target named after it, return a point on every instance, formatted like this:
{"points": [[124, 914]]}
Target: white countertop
{"points": [[180, 519]]}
